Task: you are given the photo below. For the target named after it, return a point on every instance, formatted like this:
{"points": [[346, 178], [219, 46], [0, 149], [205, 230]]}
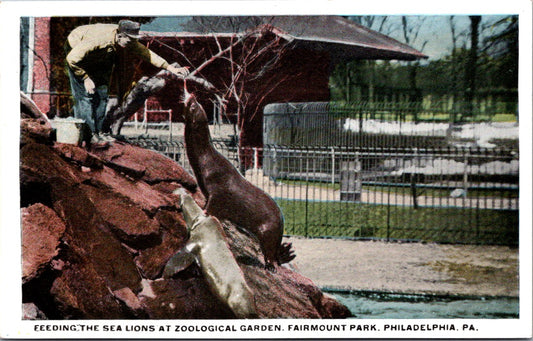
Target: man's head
{"points": [[128, 31]]}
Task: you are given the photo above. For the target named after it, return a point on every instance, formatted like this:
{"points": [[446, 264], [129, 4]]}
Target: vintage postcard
{"points": [[265, 169]]}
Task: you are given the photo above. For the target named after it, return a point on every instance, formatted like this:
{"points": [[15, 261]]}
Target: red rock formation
{"points": [[42, 230], [99, 226]]}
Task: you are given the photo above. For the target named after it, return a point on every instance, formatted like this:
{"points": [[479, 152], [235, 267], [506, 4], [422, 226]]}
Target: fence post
{"points": [[350, 180], [388, 212], [306, 196], [332, 165], [274, 166], [477, 219], [413, 190], [256, 158], [413, 180], [170, 124], [465, 177]]}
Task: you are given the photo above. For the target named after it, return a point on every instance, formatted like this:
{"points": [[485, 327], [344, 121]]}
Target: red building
{"points": [[36, 61], [301, 53]]}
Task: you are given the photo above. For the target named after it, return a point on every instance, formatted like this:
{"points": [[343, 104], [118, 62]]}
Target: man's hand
{"points": [[89, 85], [180, 71]]}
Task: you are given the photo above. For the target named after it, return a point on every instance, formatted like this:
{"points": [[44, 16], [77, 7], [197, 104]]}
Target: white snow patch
{"points": [[448, 167], [481, 132], [393, 127], [484, 132]]}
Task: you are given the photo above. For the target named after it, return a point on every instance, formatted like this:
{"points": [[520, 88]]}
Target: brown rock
{"points": [[41, 160], [90, 240], [34, 188], [31, 312], [36, 129], [42, 230], [129, 223], [130, 300], [34, 125], [28, 108], [167, 187], [329, 307], [78, 155], [183, 298], [81, 293], [173, 223], [119, 232], [170, 187], [139, 192], [151, 261], [159, 169], [300, 296]]}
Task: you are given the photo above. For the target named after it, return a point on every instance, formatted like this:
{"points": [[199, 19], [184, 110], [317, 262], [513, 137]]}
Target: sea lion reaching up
{"points": [[229, 195], [207, 245]]}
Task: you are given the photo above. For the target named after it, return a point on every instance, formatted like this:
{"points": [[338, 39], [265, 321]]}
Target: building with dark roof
{"points": [[298, 72]]}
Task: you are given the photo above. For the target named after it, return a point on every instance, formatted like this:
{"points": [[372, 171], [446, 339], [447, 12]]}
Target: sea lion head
{"points": [[189, 100]]}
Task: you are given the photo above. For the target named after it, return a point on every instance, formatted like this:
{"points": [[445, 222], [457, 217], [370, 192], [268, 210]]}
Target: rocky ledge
{"points": [[99, 226]]}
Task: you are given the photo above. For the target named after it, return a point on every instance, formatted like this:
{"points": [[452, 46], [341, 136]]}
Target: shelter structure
{"points": [[298, 72]]}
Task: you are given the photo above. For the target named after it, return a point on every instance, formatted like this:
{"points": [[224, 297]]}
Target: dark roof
{"points": [[336, 30], [342, 37]]}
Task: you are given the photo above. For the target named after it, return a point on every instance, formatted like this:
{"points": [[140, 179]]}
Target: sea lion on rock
{"points": [[229, 195], [207, 245]]}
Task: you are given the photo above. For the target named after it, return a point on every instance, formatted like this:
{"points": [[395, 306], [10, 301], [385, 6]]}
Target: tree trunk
{"points": [[118, 113], [471, 65]]}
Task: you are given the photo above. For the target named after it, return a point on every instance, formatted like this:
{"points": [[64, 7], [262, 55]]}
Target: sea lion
{"points": [[207, 245], [229, 195]]}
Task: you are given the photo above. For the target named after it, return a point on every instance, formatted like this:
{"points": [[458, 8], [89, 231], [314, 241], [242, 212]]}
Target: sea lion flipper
{"points": [[191, 211], [286, 253], [179, 262]]}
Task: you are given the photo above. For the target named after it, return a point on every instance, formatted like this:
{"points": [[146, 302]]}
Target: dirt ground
{"points": [[408, 267]]}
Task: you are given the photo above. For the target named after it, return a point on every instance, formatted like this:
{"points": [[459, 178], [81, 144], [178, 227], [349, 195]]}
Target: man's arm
{"points": [[74, 58], [156, 60]]}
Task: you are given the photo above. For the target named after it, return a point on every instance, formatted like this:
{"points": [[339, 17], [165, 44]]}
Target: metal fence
{"points": [[448, 195], [380, 125]]}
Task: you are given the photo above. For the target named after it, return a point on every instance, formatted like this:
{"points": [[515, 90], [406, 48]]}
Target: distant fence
{"points": [[377, 125], [447, 195]]}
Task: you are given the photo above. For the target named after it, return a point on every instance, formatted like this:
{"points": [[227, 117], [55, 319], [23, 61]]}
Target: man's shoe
{"points": [[98, 142], [107, 137], [96, 138]]}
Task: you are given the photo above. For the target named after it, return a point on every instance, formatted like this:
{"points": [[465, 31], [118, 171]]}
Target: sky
{"points": [[433, 40]]}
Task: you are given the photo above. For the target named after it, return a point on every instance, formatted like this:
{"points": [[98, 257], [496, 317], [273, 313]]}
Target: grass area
{"points": [[407, 115], [445, 192], [445, 117], [406, 189], [504, 118], [447, 225], [316, 184]]}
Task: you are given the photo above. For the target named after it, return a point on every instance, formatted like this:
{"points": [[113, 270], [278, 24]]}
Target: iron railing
{"points": [[451, 195], [379, 125]]}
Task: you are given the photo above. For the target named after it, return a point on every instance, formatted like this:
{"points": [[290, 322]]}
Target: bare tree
{"points": [[471, 65], [379, 23], [241, 69], [250, 58], [411, 28], [119, 112], [453, 75], [351, 74], [235, 24]]}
